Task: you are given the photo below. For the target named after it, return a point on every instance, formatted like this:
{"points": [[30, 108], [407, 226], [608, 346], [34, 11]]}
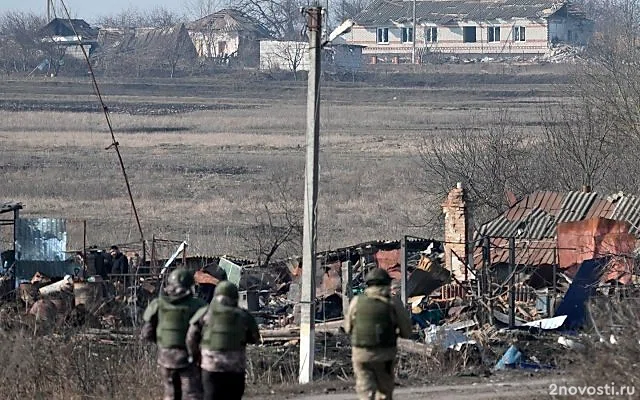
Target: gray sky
{"points": [[89, 9]]}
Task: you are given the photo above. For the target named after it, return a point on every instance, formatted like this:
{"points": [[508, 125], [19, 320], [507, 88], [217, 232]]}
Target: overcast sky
{"points": [[89, 9]]}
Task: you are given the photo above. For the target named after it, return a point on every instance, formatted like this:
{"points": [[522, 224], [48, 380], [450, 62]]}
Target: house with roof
{"points": [[478, 27], [547, 231], [148, 49], [542, 244], [228, 34], [70, 35]]}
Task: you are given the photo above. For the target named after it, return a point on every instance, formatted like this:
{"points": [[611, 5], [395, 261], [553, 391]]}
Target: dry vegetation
{"points": [[204, 175]]}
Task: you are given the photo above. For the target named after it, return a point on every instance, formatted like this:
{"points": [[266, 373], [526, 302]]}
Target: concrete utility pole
{"points": [[413, 39], [308, 287]]}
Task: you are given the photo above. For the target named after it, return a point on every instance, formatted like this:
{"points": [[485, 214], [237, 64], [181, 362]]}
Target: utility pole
{"points": [[413, 39], [512, 279], [308, 287]]}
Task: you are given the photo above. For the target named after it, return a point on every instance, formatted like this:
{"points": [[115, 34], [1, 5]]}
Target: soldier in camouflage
{"points": [[374, 321], [219, 334], [166, 323]]}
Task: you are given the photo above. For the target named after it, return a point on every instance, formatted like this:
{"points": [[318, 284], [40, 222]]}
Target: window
{"points": [[383, 35], [569, 38], [493, 34], [407, 35], [519, 34], [431, 34], [469, 34]]}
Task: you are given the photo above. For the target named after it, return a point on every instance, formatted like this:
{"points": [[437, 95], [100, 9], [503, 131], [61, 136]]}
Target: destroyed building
{"points": [[70, 36], [500, 28], [228, 35], [137, 50], [539, 244]]}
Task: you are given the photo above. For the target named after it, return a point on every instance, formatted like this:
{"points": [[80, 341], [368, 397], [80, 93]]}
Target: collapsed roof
{"points": [[146, 42], [229, 20]]}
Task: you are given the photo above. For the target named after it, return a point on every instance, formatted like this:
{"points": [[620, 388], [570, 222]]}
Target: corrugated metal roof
{"points": [[528, 252], [575, 206], [534, 220], [628, 209], [441, 12]]}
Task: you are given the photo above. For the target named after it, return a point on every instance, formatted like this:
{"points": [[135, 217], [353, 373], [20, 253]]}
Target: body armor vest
{"points": [[173, 321], [373, 326], [226, 329]]}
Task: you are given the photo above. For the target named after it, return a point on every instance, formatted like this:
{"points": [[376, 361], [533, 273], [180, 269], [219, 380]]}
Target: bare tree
{"points": [[277, 223], [158, 17], [20, 31], [281, 17], [582, 143], [345, 9], [26, 46], [288, 55], [490, 161], [610, 80], [201, 8]]}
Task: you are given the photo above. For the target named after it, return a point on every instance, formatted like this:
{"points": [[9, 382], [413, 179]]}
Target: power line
{"points": [[114, 143]]}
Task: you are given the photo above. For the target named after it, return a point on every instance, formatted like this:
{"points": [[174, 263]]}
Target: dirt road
{"points": [[524, 389]]}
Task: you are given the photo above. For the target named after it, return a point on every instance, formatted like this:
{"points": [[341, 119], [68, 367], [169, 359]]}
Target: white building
{"points": [[228, 34], [293, 56], [499, 27]]}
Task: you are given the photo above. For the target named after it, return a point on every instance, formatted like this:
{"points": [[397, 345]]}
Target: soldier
{"points": [[166, 323], [374, 321], [218, 336]]}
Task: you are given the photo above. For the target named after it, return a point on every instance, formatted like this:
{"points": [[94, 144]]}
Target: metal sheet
{"points": [[41, 245], [41, 239], [234, 271]]}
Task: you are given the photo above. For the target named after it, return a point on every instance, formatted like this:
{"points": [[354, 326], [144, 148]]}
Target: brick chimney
{"points": [[456, 228]]}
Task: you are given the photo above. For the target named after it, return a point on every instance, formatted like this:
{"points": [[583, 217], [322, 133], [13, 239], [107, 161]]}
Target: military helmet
{"points": [[181, 277], [228, 289], [377, 277]]}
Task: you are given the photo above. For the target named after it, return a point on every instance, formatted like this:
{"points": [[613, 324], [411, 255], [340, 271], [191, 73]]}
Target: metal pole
{"points": [[184, 257], [403, 270], [49, 11], [347, 286], [512, 288], [413, 39], [308, 287], [555, 282], [84, 248], [486, 276], [152, 264]]}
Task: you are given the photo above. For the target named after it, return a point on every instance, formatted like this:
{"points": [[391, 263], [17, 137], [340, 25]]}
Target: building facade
{"points": [[228, 34], [502, 27]]}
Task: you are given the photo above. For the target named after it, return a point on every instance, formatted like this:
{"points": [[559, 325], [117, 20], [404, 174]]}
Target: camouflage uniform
{"points": [[374, 366], [223, 370], [180, 377]]}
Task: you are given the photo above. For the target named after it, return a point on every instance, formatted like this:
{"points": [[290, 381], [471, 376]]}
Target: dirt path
{"points": [[522, 389]]}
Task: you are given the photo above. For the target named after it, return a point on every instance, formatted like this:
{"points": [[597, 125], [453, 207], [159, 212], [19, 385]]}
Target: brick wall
{"points": [[456, 223]]}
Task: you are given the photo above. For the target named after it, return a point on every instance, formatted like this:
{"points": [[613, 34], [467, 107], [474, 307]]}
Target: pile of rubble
{"points": [[561, 53]]}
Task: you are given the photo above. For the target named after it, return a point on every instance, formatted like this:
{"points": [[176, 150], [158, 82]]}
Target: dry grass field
{"points": [[204, 155]]}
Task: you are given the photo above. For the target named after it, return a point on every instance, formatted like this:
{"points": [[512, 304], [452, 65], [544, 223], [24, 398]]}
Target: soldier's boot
{"points": [[171, 384], [190, 380]]}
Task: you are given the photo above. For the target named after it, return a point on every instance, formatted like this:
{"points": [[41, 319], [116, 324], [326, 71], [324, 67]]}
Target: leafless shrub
{"points": [[489, 160], [277, 227], [613, 349]]}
